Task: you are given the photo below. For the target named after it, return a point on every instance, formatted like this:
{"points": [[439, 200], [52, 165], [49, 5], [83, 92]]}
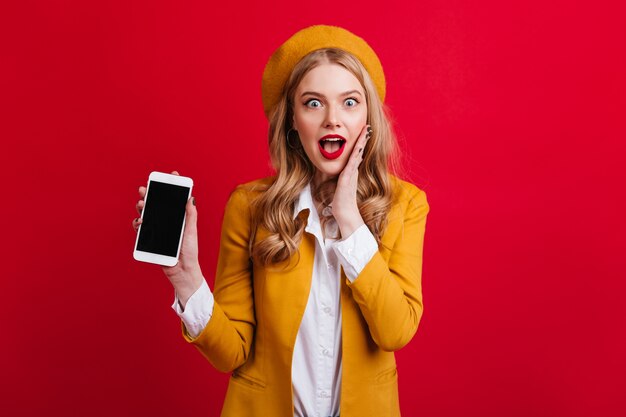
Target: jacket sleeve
{"points": [[226, 339], [389, 293]]}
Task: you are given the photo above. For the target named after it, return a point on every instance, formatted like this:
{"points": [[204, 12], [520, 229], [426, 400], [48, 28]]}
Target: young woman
{"points": [[319, 271]]}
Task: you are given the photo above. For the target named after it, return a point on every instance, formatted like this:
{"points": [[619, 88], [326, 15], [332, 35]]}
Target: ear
{"points": [[293, 123]]}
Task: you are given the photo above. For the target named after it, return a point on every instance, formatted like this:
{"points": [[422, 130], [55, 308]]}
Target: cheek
{"points": [[357, 121], [307, 129], [307, 120], [360, 115], [307, 137], [364, 115]]}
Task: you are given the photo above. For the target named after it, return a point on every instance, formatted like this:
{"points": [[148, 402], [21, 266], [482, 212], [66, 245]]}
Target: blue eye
{"points": [[350, 102], [313, 103]]}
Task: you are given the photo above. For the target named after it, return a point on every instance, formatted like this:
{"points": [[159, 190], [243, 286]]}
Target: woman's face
{"points": [[330, 111]]}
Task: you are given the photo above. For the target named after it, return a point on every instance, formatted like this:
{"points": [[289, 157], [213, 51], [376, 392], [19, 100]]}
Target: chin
{"points": [[330, 169]]}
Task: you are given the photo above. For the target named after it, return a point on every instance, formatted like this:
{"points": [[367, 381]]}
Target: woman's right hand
{"points": [[186, 275]]}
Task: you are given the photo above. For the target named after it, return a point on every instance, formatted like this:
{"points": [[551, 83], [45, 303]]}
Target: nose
{"points": [[331, 120]]}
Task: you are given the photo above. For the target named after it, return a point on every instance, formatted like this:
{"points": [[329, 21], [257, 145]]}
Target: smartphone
{"points": [[160, 233]]}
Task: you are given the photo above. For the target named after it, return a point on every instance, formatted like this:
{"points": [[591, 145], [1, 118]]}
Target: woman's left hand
{"points": [[344, 205]]}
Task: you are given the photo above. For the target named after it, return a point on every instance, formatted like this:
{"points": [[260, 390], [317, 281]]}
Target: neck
{"points": [[323, 189], [320, 178]]}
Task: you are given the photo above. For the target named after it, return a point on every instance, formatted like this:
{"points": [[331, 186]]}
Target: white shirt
{"points": [[316, 364]]}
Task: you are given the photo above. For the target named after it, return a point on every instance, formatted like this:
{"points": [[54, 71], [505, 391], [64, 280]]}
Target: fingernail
{"points": [[193, 200]]}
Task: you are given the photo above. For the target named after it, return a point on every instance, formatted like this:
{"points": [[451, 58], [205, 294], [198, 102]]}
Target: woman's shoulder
{"points": [[256, 186], [405, 190], [249, 190], [408, 198], [242, 196]]}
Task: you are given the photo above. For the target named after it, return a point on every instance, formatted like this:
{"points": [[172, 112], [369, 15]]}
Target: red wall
{"points": [[512, 117]]}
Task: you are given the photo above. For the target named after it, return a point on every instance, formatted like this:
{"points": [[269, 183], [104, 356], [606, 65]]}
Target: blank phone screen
{"points": [[163, 218]]}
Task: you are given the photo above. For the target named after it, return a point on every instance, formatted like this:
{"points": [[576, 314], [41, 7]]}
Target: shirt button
{"points": [[327, 310]]}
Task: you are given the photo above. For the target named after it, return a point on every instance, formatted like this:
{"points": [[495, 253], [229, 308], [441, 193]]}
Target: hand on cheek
{"points": [[344, 204]]}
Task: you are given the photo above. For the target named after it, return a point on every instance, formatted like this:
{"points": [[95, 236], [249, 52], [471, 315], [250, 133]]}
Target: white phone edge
{"points": [[155, 258]]}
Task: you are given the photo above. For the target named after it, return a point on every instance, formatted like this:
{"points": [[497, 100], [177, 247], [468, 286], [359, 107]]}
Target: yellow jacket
{"points": [[258, 310]]}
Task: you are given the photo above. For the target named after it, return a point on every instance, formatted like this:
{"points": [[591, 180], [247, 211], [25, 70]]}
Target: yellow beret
{"points": [[285, 58]]}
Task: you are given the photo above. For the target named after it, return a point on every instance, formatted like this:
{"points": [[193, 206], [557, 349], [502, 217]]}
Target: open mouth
{"points": [[332, 146]]}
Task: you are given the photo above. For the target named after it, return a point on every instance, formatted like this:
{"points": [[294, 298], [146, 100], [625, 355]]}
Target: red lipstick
{"points": [[328, 141]]}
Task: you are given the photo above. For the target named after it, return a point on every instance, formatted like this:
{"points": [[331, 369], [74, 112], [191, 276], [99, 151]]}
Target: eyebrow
{"points": [[313, 93]]}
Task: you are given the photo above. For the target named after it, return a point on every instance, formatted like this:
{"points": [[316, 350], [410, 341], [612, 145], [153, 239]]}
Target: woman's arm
{"points": [[227, 338], [389, 292]]}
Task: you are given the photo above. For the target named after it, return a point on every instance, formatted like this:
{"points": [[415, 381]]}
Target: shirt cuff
{"points": [[355, 251], [198, 310]]}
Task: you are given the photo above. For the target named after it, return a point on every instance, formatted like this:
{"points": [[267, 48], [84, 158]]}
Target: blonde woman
{"points": [[319, 272]]}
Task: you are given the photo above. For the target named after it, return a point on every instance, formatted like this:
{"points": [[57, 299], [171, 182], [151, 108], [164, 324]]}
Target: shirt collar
{"points": [[313, 225], [304, 201]]}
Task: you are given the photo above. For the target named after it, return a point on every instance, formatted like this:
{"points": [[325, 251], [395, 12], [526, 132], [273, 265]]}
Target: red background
{"points": [[512, 118]]}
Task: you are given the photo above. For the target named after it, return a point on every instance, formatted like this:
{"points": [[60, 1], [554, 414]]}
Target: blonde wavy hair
{"points": [[274, 207]]}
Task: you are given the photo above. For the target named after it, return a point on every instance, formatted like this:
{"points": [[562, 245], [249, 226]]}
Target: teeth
{"points": [[331, 145]]}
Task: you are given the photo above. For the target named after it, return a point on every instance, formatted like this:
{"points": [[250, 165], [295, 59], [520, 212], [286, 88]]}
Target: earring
{"points": [[289, 141]]}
